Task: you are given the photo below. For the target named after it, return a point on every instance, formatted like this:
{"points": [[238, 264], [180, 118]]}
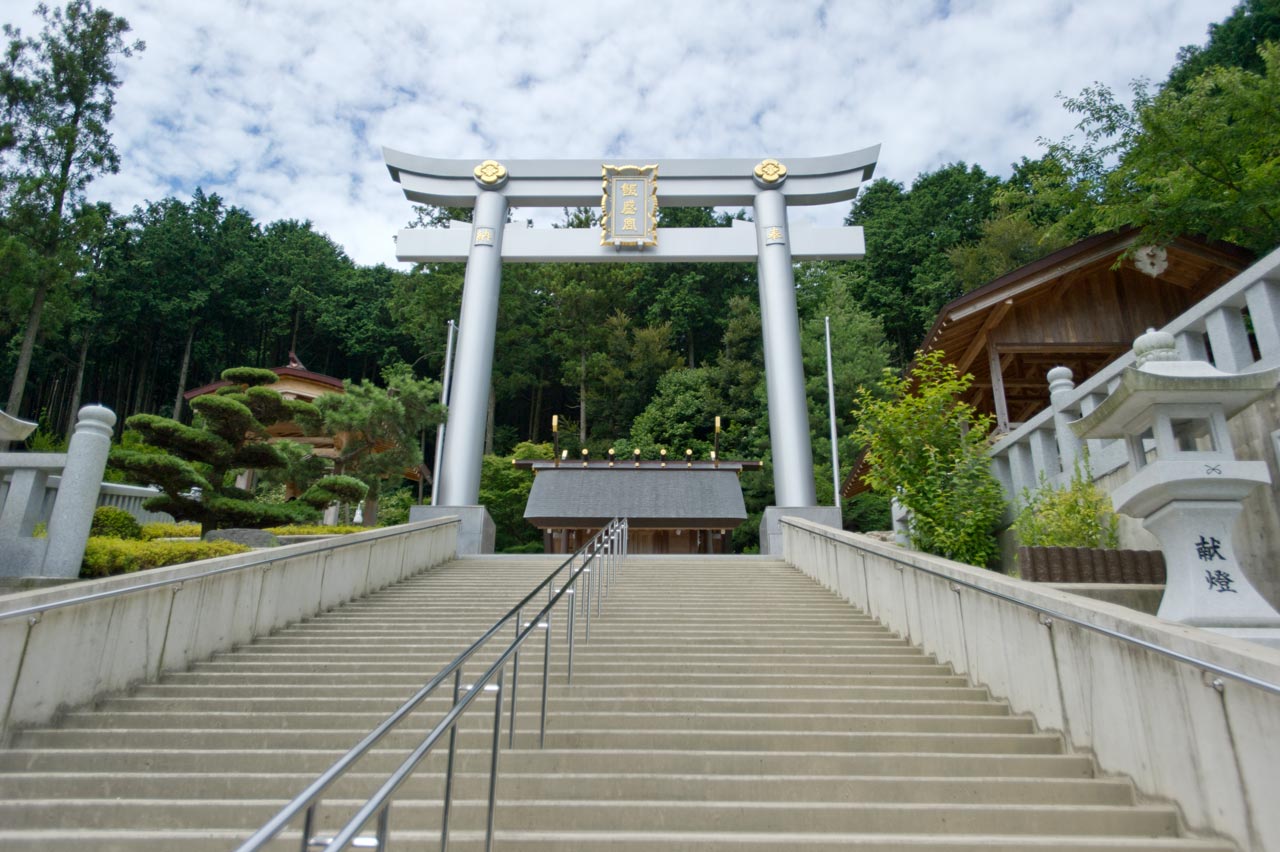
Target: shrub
{"points": [[1079, 515], [106, 557], [927, 448], [393, 508], [115, 523], [316, 529], [159, 529]]}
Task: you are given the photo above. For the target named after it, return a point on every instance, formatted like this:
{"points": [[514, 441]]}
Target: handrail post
{"points": [[448, 769], [546, 678], [608, 557], [384, 827], [601, 580], [308, 825], [515, 675], [493, 762], [573, 613], [588, 603]]}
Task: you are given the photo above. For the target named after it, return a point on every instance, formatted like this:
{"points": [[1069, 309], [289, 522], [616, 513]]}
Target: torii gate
{"points": [[629, 196]]}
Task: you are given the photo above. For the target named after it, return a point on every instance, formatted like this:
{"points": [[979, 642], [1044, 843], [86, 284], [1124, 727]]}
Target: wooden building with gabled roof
{"points": [[671, 507], [1080, 307]]}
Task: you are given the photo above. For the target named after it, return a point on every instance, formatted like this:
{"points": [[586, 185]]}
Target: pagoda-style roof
{"points": [[294, 383], [1080, 307]]}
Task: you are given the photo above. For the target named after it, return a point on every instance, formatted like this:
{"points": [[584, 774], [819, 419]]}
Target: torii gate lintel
{"points": [[769, 186]]}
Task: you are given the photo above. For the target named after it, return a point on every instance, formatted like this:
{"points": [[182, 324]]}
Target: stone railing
{"points": [[59, 553], [1188, 715], [61, 647], [127, 497], [1223, 329]]}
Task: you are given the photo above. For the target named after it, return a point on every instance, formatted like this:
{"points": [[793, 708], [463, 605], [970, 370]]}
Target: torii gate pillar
{"points": [[491, 187]]}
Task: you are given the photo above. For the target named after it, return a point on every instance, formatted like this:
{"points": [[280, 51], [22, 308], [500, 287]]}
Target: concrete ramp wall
{"points": [[62, 647], [1207, 742]]}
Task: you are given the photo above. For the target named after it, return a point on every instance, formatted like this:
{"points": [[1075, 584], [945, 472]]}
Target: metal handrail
{"points": [[603, 550], [1052, 615], [345, 541]]}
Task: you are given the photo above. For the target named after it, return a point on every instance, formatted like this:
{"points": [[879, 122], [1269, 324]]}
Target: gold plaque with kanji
{"points": [[629, 206]]}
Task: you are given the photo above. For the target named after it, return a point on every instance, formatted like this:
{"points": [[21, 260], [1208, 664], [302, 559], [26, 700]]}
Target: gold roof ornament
{"points": [[490, 173], [770, 171]]}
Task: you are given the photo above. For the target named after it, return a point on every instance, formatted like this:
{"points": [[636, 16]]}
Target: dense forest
{"points": [[132, 308]]}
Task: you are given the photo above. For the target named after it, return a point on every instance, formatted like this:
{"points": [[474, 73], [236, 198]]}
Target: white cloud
{"points": [[282, 107]]}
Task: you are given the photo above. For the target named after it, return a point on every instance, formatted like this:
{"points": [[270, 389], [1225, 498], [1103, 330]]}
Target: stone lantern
{"points": [[1188, 494]]}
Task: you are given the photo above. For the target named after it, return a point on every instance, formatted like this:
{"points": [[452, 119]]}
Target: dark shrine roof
{"points": [[675, 496]]}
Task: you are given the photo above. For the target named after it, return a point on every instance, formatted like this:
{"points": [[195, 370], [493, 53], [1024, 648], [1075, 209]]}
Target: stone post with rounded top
{"points": [[78, 492]]}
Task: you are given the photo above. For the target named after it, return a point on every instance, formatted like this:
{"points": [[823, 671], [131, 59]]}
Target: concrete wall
{"points": [[141, 625], [1214, 752]]}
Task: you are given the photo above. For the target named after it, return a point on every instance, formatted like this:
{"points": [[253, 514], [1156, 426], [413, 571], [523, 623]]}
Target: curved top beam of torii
{"points": [[681, 183]]}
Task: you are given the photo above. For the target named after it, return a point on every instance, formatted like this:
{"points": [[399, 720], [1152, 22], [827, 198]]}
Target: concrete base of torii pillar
{"points": [[771, 523], [476, 535]]}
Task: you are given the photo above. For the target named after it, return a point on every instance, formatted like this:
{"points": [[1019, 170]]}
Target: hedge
{"points": [[106, 557], [316, 529]]}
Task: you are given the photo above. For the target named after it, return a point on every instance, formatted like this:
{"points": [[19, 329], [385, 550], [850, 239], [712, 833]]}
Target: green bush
{"points": [[1079, 515], [115, 523], [393, 508], [315, 529], [159, 529], [106, 557], [927, 447]]}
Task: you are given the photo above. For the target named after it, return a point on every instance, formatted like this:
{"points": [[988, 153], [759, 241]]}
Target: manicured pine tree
{"points": [[196, 465]]}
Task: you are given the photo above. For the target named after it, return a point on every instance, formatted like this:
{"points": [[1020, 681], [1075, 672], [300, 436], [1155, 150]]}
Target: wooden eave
{"points": [[1080, 307]]}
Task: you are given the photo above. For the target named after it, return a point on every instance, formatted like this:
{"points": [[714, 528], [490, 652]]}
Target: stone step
{"points": [[701, 680], [214, 840], [163, 702], [618, 815], [554, 760], [649, 720], [721, 703], [221, 688], [582, 785], [557, 737], [590, 667]]}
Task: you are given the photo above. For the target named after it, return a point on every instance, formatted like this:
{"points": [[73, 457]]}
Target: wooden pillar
{"points": [[997, 389]]}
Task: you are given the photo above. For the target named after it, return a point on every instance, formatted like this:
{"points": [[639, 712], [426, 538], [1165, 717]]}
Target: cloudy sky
{"points": [[283, 106]]}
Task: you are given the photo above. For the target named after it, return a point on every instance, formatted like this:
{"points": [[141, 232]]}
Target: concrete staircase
{"points": [[723, 703]]}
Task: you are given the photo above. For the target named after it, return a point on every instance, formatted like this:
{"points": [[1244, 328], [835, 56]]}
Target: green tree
{"points": [[1207, 160], [504, 491], [1234, 43], [1203, 159], [57, 91], [196, 465], [927, 448], [859, 356], [381, 427], [906, 276]]}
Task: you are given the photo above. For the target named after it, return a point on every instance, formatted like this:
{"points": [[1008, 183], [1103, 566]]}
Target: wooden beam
{"points": [[1066, 349], [980, 337], [997, 389]]}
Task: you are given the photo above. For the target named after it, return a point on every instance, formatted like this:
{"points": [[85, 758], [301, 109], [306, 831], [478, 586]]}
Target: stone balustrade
{"points": [[1237, 328], [61, 647], [1189, 715], [58, 554]]}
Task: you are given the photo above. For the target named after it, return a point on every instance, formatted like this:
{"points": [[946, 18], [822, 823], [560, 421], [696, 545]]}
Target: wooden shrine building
{"points": [[1080, 307], [672, 507]]}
